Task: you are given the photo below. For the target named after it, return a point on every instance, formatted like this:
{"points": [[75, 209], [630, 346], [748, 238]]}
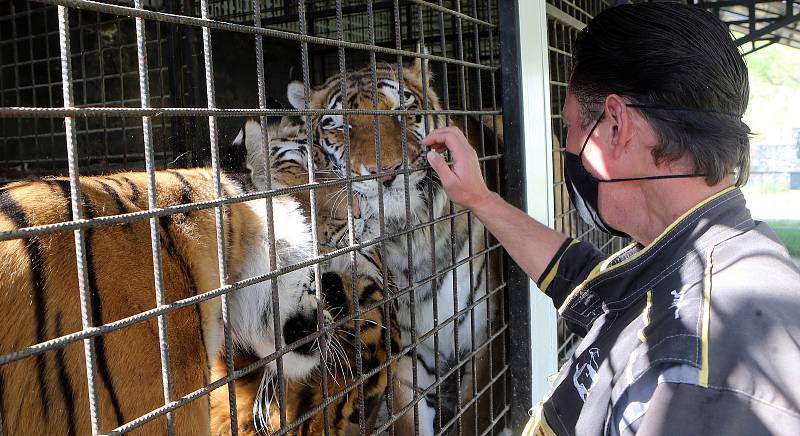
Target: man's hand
{"points": [[463, 183], [531, 244]]}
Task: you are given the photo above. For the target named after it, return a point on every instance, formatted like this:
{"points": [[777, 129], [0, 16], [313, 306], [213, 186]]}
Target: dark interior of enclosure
{"points": [[105, 74]]}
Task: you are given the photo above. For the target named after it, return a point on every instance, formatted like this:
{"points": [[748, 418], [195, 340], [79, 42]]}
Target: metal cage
{"points": [[565, 19], [94, 87]]}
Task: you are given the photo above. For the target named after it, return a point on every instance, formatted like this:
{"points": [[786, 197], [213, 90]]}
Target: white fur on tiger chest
{"points": [[450, 297], [292, 245]]}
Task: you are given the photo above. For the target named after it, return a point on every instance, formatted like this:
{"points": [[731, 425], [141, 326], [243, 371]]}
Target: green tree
{"points": [[777, 65]]}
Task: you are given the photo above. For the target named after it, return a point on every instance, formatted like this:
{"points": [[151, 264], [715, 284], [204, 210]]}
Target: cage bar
{"points": [[77, 213], [155, 241]]}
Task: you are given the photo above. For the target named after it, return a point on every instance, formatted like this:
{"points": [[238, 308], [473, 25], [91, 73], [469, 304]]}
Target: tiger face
{"points": [[351, 323], [387, 132]]}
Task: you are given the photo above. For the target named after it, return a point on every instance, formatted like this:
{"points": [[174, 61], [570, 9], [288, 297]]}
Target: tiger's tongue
{"points": [[356, 206]]}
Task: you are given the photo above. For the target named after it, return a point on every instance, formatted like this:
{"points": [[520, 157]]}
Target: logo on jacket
{"points": [[679, 300], [586, 373]]}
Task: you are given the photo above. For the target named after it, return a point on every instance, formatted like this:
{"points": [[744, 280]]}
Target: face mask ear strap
{"points": [[596, 123]]}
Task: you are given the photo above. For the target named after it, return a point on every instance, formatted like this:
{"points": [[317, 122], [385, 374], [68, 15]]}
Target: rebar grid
{"points": [[188, 207], [561, 35], [469, 103], [76, 203], [155, 240], [219, 223], [351, 231], [28, 71]]}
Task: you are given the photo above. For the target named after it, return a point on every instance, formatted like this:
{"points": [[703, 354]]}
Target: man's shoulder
{"points": [[752, 333], [753, 284], [755, 258]]}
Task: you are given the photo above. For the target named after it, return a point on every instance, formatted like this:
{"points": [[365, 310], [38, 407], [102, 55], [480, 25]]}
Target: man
{"points": [[695, 328]]}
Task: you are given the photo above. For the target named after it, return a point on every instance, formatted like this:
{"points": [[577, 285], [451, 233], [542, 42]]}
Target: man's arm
{"points": [[531, 244]]}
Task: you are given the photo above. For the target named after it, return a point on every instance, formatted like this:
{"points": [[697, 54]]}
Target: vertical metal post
{"points": [[528, 186], [485, 235], [351, 236], [77, 213], [407, 200], [304, 25], [155, 242], [271, 253], [464, 105], [538, 143], [218, 212], [432, 229], [381, 218]]}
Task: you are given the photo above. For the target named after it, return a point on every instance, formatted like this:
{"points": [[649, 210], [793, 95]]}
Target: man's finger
{"points": [[440, 166], [448, 139]]}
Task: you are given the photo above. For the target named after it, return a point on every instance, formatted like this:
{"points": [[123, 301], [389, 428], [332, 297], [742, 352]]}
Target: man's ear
{"points": [[620, 126]]}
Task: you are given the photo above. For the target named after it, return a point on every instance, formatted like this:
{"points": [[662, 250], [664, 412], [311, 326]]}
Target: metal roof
{"points": [[762, 22]]}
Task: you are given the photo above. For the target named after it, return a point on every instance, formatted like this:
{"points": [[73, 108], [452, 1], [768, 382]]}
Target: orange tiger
{"points": [[39, 299]]}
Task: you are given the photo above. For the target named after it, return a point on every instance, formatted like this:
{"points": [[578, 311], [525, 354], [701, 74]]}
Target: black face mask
{"points": [[583, 187]]}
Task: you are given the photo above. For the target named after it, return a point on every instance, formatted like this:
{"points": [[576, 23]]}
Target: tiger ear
{"points": [[419, 65], [250, 137], [295, 92]]}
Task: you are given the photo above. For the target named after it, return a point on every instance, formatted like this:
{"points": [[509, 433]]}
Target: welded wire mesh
{"points": [[105, 74], [96, 87], [565, 19]]}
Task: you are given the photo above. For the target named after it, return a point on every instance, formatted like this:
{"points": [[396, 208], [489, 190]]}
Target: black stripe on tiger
{"points": [[121, 207], [136, 193], [338, 411], [370, 294], [333, 291], [306, 397], [471, 297], [12, 209], [187, 190], [97, 315], [169, 245], [97, 308], [66, 388]]}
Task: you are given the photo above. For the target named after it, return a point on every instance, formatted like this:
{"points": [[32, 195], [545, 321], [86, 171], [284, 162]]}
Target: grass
{"points": [[789, 232]]}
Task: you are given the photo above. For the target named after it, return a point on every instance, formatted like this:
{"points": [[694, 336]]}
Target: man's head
{"points": [[682, 65]]}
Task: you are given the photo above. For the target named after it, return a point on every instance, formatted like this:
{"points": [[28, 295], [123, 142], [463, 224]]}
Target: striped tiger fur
{"points": [[379, 335], [447, 243], [289, 168], [39, 298]]}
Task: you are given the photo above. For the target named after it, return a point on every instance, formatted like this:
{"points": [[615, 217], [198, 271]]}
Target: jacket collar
{"points": [[619, 281]]}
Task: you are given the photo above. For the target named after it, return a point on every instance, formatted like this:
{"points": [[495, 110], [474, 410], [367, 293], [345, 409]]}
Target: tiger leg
{"points": [[246, 389]]}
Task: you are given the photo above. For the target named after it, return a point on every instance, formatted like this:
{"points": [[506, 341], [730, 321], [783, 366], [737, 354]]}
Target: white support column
{"points": [[535, 77]]}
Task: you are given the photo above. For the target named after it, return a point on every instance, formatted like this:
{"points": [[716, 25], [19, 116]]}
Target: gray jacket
{"points": [[696, 334]]}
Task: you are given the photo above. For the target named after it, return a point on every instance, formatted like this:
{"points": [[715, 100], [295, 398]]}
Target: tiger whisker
{"points": [[333, 372], [344, 360], [369, 321]]}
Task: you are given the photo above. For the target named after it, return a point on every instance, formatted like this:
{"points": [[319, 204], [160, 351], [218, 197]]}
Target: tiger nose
{"points": [[387, 180], [298, 327]]}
